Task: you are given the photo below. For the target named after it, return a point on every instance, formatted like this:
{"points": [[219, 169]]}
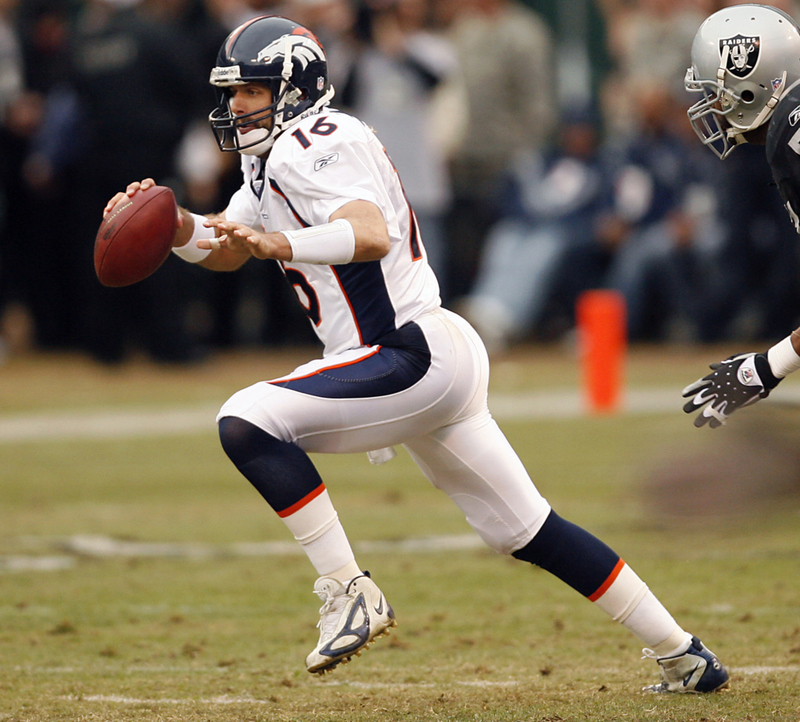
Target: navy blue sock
{"points": [[572, 554], [280, 470]]}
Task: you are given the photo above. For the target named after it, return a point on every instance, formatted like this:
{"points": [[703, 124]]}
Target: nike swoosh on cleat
{"points": [[379, 609], [689, 676]]}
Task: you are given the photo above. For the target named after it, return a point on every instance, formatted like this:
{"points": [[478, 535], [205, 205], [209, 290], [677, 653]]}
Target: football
{"points": [[136, 237]]}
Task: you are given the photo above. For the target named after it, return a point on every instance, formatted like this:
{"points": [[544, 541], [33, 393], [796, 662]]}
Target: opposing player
{"points": [[322, 198], [746, 64]]}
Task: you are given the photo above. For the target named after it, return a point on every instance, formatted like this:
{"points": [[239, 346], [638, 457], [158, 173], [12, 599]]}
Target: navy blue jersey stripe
{"points": [[416, 253], [365, 288], [389, 370], [274, 185]]}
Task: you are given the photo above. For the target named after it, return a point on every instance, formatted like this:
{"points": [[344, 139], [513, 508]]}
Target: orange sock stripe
{"points": [[288, 511], [603, 588]]}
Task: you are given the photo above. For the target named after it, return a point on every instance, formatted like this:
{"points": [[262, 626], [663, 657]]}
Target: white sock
{"points": [[628, 601], [655, 626], [317, 527], [331, 554], [346, 573]]}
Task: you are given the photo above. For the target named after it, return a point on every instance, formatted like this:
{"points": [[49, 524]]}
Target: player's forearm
{"points": [[369, 227]]}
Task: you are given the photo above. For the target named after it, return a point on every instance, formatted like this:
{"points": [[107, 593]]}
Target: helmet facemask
{"points": [[266, 122], [707, 115]]}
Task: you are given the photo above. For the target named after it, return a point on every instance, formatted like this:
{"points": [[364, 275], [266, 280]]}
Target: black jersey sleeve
{"points": [[783, 152]]}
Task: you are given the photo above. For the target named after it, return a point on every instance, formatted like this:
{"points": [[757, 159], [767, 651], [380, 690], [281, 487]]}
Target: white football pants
{"points": [[443, 421]]}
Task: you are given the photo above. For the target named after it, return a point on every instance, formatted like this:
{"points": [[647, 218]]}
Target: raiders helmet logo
{"points": [[742, 55]]}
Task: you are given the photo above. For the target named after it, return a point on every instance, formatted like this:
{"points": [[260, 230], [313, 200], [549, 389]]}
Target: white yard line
{"points": [[127, 423], [103, 547], [106, 424], [248, 700], [120, 699], [96, 546], [143, 422]]}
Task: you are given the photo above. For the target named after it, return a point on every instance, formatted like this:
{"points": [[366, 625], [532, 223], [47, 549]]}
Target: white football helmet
{"points": [[744, 60]]}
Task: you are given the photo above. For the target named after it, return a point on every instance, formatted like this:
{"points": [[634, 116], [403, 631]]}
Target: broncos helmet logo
{"points": [[304, 48]]}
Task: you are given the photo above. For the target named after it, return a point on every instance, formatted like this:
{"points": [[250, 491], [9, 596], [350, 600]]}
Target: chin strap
{"points": [[778, 90], [723, 65], [286, 76]]}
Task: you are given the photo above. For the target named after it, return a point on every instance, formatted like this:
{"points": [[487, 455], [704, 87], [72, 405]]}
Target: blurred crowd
{"points": [[543, 145]]}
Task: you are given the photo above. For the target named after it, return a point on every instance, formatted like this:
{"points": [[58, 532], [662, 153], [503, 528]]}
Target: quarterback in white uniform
{"points": [[321, 197]]}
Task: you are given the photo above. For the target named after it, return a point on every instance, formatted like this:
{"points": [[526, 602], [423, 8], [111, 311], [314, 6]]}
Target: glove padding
{"points": [[737, 381]]}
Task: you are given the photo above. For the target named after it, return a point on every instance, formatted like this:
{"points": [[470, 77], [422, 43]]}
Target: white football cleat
{"points": [[696, 670], [350, 619]]}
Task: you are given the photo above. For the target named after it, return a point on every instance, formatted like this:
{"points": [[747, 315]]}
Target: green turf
{"points": [[481, 637]]}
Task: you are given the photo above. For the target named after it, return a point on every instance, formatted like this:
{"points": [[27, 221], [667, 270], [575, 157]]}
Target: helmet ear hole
{"points": [[748, 96]]}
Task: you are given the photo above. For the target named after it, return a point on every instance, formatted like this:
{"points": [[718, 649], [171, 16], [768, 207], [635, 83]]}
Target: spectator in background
{"points": [[11, 85], [232, 13], [333, 22], [398, 77], [664, 226], [139, 88], [649, 41], [38, 278], [10, 56], [543, 251], [506, 58], [49, 269]]}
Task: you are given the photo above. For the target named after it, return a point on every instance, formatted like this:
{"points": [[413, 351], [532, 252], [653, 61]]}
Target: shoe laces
{"points": [[332, 607], [649, 654]]}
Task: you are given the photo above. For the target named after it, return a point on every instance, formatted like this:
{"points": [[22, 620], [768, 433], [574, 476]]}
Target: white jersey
{"points": [[313, 169]]}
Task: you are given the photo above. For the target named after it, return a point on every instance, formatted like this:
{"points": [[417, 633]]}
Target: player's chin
{"points": [[250, 127]]}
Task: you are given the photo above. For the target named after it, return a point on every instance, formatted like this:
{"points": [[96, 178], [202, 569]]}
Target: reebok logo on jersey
{"points": [[326, 160], [794, 116]]}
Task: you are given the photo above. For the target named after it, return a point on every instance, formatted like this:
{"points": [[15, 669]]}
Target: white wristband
{"points": [[189, 251], [783, 359], [330, 244]]}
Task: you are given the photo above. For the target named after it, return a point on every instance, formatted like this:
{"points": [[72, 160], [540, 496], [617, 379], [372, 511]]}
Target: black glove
{"points": [[735, 382]]}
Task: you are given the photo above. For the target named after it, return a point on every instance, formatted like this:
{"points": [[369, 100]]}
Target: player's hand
{"points": [[128, 192], [245, 240], [737, 381]]}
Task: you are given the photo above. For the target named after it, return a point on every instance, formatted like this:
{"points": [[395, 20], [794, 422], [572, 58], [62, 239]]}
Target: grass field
{"points": [[143, 579]]}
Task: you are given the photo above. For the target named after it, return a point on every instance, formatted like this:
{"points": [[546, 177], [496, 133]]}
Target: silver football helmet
{"points": [[744, 60]]}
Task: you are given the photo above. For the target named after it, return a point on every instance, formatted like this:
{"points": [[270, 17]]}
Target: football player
{"points": [[746, 65], [321, 197]]}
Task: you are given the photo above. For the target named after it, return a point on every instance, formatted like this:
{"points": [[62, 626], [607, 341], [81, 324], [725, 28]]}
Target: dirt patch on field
{"points": [[748, 467]]}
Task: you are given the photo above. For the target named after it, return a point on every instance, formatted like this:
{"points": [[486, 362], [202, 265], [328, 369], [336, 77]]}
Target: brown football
{"points": [[136, 237]]}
